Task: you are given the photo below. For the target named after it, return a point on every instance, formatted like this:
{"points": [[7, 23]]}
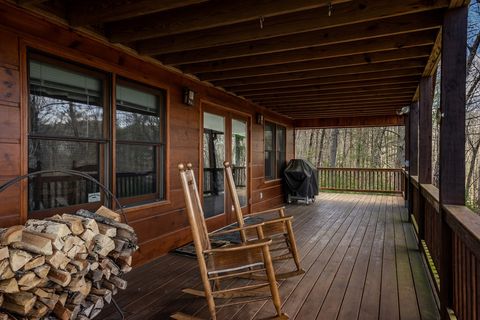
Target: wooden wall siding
{"points": [[160, 226]]}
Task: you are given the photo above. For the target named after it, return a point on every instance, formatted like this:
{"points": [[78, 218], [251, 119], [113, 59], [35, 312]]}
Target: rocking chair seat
{"points": [[236, 257]]}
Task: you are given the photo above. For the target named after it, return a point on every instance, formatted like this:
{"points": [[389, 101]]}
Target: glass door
{"points": [[239, 159], [213, 158]]}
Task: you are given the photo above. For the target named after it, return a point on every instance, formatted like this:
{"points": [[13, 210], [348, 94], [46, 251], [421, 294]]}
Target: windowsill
{"points": [[273, 180], [145, 206]]}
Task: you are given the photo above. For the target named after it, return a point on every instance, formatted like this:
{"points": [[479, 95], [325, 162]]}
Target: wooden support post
{"points": [[452, 138], [407, 161], [413, 152], [424, 144]]}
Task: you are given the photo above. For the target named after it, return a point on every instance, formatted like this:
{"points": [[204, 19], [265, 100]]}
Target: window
{"points": [[66, 131], [275, 150], [69, 121], [140, 142]]}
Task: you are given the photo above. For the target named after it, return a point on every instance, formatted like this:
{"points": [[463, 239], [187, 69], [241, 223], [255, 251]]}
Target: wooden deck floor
{"points": [[361, 262]]}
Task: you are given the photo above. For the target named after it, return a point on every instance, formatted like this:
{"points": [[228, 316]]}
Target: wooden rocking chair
{"points": [[228, 261], [279, 229]]}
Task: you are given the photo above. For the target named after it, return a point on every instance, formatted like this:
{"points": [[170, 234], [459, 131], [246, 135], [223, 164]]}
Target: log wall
{"points": [[160, 226]]}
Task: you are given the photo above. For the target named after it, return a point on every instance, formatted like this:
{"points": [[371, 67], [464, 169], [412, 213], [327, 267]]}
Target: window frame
{"points": [[276, 174], [158, 147], [107, 143]]}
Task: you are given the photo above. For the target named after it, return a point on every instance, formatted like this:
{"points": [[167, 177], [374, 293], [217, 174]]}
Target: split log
{"points": [[58, 260], [4, 253], [60, 277], [107, 213], [103, 245], [34, 243], [76, 226], [5, 270], [9, 286], [18, 258], [35, 262], [61, 312], [9, 235], [42, 271], [25, 300], [50, 227], [88, 223], [57, 242]]}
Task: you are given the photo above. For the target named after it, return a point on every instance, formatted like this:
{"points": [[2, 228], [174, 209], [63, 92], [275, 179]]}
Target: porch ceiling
{"points": [[304, 59]]}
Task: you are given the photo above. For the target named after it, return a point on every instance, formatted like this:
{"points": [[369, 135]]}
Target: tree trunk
{"points": [[333, 148]]}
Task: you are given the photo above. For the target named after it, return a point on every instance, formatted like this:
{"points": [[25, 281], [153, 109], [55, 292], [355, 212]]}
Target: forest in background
{"points": [[383, 147]]}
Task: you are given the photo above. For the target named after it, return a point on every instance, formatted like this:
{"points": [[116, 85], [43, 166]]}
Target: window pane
{"points": [[213, 157], [138, 115], [239, 159], [136, 170], [281, 150], [58, 189], [269, 134], [64, 103]]}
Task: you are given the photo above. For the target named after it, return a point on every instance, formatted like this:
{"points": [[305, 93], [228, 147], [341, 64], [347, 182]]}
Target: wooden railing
{"points": [[213, 179], [361, 179], [63, 190], [450, 239]]}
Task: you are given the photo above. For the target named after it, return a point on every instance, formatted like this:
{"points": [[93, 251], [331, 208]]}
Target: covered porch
{"points": [[361, 259]]}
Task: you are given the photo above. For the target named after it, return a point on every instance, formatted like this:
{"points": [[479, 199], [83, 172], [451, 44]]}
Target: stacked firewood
{"points": [[64, 267]]}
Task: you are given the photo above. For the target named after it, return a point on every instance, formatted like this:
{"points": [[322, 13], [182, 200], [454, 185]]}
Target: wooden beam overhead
{"points": [[86, 12], [390, 26], [340, 104], [300, 102], [350, 122], [212, 14], [331, 72], [330, 80], [322, 64], [315, 19], [29, 2], [329, 90], [335, 95], [343, 115], [337, 87], [410, 40]]}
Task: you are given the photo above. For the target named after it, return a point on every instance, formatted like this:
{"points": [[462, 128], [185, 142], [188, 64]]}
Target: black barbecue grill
{"points": [[301, 181]]}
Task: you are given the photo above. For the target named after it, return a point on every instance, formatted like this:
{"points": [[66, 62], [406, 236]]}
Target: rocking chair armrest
{"points": [[276, 220], [243, 246], [279, 209], [250, 226]]}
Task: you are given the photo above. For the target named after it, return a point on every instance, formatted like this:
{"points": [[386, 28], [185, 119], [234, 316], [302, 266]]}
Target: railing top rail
{"points": [[362, 169]]}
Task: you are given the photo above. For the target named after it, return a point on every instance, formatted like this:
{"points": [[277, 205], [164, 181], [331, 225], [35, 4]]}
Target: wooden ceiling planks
{"points": [[299, 58]]}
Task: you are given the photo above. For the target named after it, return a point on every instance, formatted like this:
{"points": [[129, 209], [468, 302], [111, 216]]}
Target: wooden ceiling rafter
{"points": [[289, 24], [330, 36], [328, 106], [323, 73], [208, 15], [86, 12], [416, 39], [329, 80], [322, 64], [301, 102]]}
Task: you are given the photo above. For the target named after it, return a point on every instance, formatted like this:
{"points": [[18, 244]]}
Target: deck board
{"points": [[361, 261]]}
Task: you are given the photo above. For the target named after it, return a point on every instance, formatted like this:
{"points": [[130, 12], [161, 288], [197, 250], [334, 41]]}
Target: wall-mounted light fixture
{"points": [[259, 118], [188, 96]]}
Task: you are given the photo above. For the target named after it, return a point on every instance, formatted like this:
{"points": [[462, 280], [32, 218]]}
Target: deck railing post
{"points": [[452, 138], [413, 153], [424, 144]]}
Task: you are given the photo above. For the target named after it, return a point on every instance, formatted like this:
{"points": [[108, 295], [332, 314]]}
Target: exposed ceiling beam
{"points": [[29, 2], [212, 14], [321, 64], [86, 12], [346, 115], [323, 73], [416, 39], [299, 102], [347, 110], [368, 85], [351, 122], [377, 86], [367, 104], [371, 29], [334, 95], [315, 19], [330, 80]]}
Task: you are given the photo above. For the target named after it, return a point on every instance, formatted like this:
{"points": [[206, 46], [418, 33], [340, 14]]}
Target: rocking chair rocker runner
{"points": [[279, 229], [229, 261]]}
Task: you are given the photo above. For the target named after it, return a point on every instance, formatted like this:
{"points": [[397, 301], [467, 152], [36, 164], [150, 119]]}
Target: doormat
{"points": [[218, 241]]}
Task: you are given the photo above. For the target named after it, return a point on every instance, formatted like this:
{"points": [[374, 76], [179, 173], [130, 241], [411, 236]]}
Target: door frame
{"points": [[228, 217]]}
